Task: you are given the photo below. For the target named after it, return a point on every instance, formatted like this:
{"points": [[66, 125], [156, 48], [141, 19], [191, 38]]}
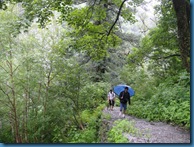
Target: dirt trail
{"points": [[158, 132]]}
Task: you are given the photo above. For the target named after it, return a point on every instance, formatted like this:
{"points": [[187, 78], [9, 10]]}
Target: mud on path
{"points": [[158, 132]]}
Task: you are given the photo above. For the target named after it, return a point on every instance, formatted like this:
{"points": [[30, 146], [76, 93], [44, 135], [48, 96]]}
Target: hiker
{"points": [[111, 99], [124, 97]]}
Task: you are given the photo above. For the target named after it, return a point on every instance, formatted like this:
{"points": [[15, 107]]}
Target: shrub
{"points": [[170, 103], [116, 134]]}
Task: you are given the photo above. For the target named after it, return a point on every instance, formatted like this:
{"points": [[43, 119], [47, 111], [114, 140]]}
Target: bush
{"points": [[90, 133], [116, 134], [170, 103]]}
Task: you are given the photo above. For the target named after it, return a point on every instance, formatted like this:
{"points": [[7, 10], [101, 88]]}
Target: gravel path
{"points": [[152, 132]]}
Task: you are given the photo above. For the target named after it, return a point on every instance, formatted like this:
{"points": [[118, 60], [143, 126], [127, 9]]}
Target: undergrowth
{"points": [[168, 102], [116, 134]]}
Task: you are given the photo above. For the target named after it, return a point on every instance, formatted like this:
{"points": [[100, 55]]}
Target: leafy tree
{"points": [[159, 51], [155, 70], [9, 68], [45, 85]]}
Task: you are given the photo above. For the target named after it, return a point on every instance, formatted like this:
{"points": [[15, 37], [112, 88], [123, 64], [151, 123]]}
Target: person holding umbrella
{"points": [[124, 97]]}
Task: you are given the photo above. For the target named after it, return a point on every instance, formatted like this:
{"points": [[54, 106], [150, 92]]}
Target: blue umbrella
{"points": [[119, 88]]}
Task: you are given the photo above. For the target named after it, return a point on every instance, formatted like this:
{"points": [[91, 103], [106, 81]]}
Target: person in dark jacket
{"points": [[124, 97]]}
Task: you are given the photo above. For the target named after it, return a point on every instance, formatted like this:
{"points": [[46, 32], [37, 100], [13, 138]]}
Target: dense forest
{"points": [[59, 58]]}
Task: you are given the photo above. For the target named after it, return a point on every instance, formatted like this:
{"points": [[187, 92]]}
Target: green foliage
{"points": [[44, 10], [3, 5], [117, 102], [93, 94], [89, 37], [159, 50], [162, 87], [106, 116], [47, 84], [170, 102], [116, 134], [9, 24], [5, 133], [85, 136], [158, 53], [90, 133]]}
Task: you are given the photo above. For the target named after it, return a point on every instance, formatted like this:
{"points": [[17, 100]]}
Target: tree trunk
{"points": [[182, 9], [14, 105]]}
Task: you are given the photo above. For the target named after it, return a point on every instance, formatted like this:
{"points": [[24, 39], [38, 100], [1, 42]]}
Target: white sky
{"points": [[146, 13]]}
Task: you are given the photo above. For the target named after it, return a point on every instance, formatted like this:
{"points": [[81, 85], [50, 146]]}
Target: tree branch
{"points": [[9, 99], [166, 57], [117, 18]]}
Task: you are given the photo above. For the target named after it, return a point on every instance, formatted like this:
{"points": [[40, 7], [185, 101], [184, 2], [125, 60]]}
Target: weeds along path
{"points": [[145, 132]]}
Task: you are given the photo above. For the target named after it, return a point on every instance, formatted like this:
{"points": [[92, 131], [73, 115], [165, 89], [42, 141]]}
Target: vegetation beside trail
{"points": [[59, 59], [168, 102]]}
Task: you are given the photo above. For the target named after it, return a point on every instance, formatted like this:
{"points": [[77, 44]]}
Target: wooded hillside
{"points": [[59, 59]]}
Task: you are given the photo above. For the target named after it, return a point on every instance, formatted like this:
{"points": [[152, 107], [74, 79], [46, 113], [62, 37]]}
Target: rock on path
{"points": [[158, 132]]}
